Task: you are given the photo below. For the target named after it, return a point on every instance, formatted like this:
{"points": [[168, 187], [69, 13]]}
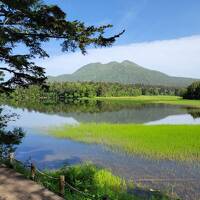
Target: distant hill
{"points": [[125, 72]]}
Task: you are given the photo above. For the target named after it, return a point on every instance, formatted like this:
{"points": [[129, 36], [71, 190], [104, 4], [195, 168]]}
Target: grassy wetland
{"points": [[139, 135], [169, 144], [172, 100], [173, 142]]}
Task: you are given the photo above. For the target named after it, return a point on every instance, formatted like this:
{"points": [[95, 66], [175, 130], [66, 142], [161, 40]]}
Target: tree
{"points": [[193, 91], [29, 23]]}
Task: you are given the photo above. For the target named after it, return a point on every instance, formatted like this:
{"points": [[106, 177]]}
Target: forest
{"points": [[70, 90]]}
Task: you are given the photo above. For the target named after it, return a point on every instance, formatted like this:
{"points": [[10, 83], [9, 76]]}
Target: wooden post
{"points": [[62, 185], [11, 159], [33, 169]]}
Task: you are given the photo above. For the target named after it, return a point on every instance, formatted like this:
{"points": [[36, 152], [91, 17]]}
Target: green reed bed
{"points": [[173, 142], [173, 100]]}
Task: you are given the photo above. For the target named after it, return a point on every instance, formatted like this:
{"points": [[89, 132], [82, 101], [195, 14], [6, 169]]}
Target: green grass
{"points": [[173, 142], [174, 100], [99, 183], [93, 181]]}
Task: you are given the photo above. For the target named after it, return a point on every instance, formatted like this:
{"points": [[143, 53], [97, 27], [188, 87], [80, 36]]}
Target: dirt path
{"points": [[13, 186]]}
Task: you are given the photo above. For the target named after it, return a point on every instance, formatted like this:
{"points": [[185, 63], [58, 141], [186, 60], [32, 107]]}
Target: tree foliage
{"points": [[70, 91], [193, 91], [29, 23]]}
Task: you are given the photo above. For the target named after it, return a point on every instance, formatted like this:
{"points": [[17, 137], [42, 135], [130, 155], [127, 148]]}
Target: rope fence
{"points": [[63, 184], [61, 179]]}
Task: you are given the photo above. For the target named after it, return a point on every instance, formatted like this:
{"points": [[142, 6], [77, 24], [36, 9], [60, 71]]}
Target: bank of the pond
{"points": [[173, 100], [88, 182], [173, 142]]}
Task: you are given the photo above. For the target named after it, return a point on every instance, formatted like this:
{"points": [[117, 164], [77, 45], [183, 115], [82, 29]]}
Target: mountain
{"points": [[126, 72]]}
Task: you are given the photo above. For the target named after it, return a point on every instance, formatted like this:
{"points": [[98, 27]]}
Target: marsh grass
{"points": [[172, 142], [172, 100]]}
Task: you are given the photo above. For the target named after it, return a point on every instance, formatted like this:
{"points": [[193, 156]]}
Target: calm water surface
{"points": [[179, 178]]}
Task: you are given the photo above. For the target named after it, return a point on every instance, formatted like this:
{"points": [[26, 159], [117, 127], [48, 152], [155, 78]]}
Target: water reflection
{"points": [[177, 119], [9, 138], [195, 113], [103, 111], [50, 152]]}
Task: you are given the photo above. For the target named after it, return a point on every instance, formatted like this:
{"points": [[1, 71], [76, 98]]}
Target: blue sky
{"points": [[161, 35], [144, 20]]}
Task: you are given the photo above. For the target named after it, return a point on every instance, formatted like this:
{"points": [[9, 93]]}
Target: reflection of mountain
{"points": [[142, 114], [107, 111]]}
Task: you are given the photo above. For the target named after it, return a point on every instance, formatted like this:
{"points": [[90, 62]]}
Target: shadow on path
{"points": [[13, 186]]}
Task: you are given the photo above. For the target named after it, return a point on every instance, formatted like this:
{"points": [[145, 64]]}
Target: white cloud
{"points": [[178, 57]]}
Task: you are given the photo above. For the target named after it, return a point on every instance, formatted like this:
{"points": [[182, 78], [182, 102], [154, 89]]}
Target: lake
{"points": [[174, 177]]}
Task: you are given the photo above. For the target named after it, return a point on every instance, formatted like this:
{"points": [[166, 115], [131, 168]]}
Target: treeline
{"points": [[71, 90]]}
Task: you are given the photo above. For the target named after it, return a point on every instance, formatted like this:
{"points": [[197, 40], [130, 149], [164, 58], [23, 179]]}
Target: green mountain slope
{"points": [[125, 72]]}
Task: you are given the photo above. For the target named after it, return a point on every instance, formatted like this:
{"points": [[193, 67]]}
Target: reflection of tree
{"points": [[195, 114], [102, 111], [75, 106], [9, 139]]}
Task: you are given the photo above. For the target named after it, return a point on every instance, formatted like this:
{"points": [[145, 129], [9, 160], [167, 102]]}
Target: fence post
{"points": [[33, 169], [11, 158], [62, 185]]}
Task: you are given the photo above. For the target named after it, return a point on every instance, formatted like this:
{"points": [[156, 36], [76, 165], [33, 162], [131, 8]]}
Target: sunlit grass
{"points": [[174, 100], [173, 142], [97, 183]]}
